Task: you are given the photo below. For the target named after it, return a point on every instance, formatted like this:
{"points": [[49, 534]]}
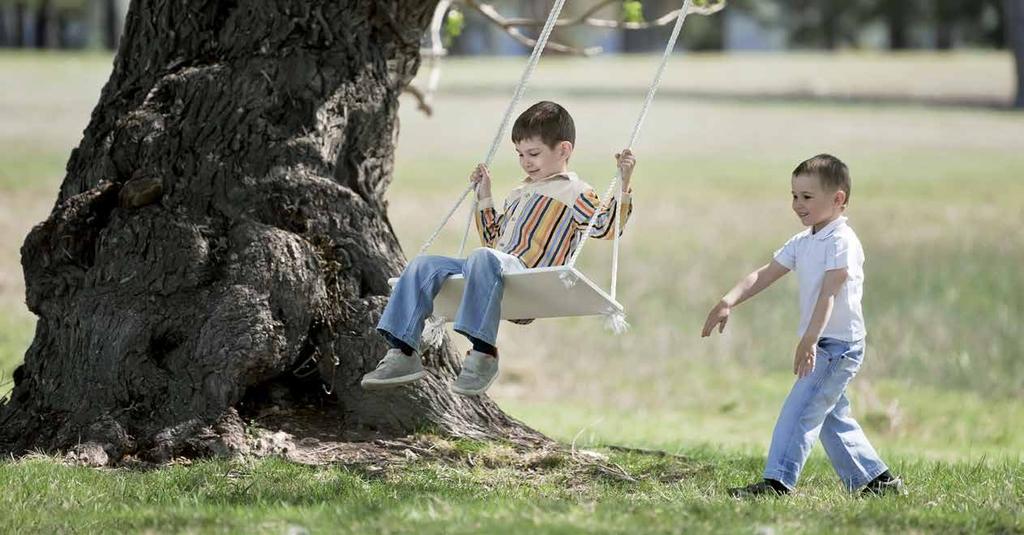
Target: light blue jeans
{"points": [[817, 408], [412, 299]]}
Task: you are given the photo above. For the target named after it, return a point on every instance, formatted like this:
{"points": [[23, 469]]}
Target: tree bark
{"points": [[1014, 10], [223, 222]]}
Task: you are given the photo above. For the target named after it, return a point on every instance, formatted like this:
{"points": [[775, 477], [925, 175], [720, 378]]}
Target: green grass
{"points": [[15, 336], [29, 169], [736, 413], [936, 201], [673, 494]]}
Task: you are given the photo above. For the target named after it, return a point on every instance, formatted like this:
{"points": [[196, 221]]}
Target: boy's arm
{"points": [[806, 350], [746, 288], [607, 216], [588, 202], [488, 221]]}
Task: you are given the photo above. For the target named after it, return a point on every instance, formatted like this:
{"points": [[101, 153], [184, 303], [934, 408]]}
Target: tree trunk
{"points": [[5, 32], [831, 18], [944, 34], [64, 19], [47, 29], [897, 19], [830, 35], [222, 223], [113, 24], [1014, 10], [20, 10]]}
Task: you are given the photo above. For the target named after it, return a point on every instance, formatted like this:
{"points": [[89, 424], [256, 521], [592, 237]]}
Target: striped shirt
{"points": [[543, 220]]}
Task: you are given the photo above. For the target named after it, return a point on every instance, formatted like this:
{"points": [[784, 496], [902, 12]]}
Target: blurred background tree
{"points": [[69, 24], [779, 25], [827, 24]]}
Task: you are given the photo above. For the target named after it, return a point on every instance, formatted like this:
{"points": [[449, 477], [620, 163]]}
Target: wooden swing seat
{"points": [[534, 293]]}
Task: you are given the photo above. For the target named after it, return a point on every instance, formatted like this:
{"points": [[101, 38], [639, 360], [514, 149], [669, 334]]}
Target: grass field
{"points": [[675, 495], [938, 202]]}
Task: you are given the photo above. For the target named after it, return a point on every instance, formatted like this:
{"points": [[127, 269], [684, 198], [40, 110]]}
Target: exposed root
{"points": [[315, 436]]}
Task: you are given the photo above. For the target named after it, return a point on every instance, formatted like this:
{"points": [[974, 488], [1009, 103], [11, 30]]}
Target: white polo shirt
{"points": [[810, 255]]}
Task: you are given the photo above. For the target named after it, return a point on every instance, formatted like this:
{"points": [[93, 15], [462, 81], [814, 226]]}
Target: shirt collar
{"points": [[568, 175], [829, 229]]}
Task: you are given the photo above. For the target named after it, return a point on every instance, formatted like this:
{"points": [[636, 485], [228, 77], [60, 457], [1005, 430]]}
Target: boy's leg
{"points": [[412, 299], [479, 316], [480, 309], [401, 324], [854, 459], [809, 402]]}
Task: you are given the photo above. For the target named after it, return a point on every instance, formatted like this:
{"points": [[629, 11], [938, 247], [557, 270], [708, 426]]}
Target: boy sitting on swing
{"points": [[543, 220]]}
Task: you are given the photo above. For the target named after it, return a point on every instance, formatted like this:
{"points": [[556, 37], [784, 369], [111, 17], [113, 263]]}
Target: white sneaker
{"points": [[395, 369], [479, 370]]}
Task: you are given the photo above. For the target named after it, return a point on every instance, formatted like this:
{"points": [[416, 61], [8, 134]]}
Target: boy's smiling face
{"points": [[541, 161], [813, 205]]}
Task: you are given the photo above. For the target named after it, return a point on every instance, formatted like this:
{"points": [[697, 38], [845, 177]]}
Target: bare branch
{"points": [[587, 18], [597, 7], [513, 31], [422, 100]]}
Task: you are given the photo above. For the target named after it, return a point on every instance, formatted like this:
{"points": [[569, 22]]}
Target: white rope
{"points": [[615, 240], [568, 279], [433, 237], [436, 51], [618, 174], [531, 65]]}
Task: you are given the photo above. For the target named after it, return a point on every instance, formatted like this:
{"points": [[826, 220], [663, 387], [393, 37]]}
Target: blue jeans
{"points": [[412, 299], [817, 408]]}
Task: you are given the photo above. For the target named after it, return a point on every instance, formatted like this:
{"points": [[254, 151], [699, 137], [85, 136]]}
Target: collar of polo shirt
{"points": [[827, 230]]}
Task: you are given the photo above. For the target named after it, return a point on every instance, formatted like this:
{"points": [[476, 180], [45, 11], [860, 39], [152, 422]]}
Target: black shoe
{"points": [[884, 487], [761, 488]]}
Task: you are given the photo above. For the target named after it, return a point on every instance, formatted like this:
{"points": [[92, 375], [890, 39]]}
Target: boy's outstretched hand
{"points": [[626, 161], [481, 176], [718, 316], [803, 361]]}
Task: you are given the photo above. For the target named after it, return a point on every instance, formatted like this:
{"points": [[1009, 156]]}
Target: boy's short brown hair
{"points": [[547, 121], [832, 173]]}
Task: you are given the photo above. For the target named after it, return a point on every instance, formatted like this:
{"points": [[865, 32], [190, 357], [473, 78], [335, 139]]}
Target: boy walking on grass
{"points": [[541, 224], [828, 259]]}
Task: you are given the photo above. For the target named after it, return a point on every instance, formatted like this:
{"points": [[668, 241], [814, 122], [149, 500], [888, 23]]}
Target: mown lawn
{"points": [[672, 495]]}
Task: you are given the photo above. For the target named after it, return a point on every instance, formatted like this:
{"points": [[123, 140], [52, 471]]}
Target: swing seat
{"points": [[534, 293]]}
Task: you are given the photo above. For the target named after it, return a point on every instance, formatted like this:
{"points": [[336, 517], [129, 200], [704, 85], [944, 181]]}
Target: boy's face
{"points": [[540, 160], [812, 204]]}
